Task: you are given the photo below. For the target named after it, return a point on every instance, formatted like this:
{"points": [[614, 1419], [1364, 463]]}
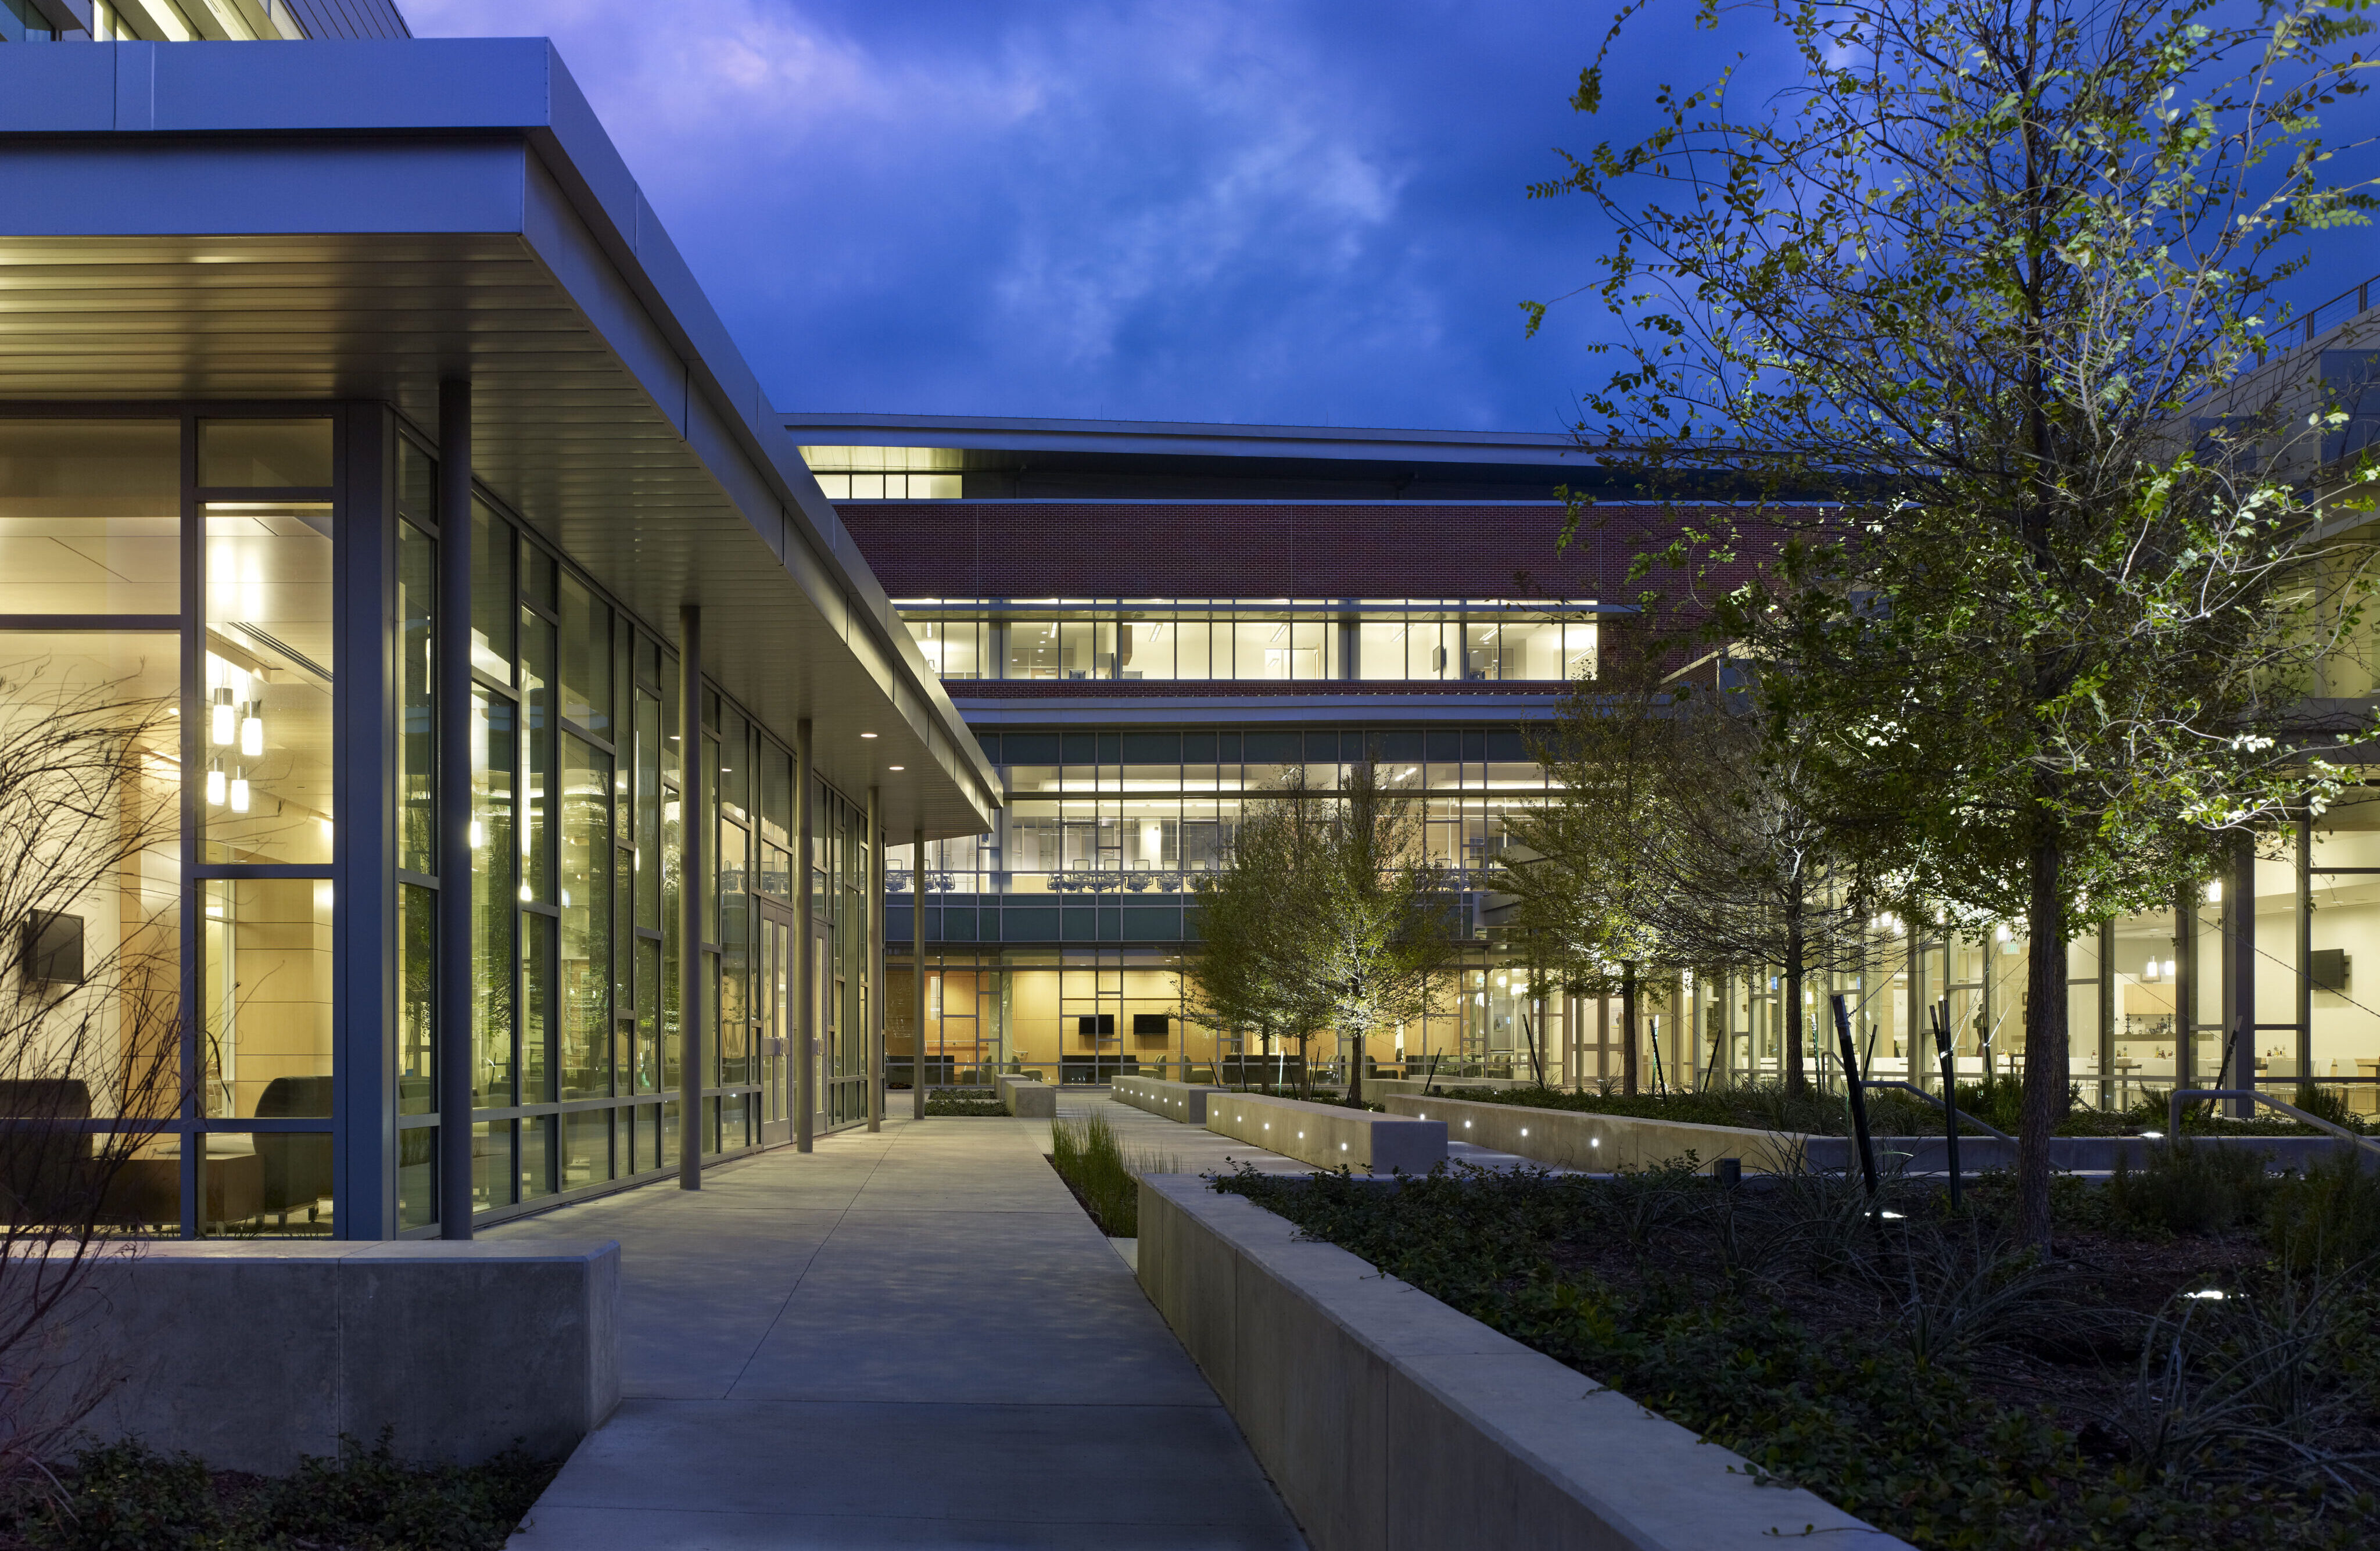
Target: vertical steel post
{"points": [[451, 672], [2107, 1014], [875, 958], [918, 969], [806, 1018], [363, 970], [2304, 912], [2240, 972], [2185, 987], [694, 874]]}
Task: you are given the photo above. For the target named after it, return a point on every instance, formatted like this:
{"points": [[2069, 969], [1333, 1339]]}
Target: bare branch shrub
{"points": [[89, 1019]]}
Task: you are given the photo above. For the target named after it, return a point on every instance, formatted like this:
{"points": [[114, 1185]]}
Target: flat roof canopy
{"points": [[360, 220]]}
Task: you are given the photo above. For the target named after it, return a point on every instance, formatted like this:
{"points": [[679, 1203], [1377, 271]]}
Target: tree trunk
{"points": [[1797, 1079], [2046, 1074], [1356, 1075], [1628, 1025]]}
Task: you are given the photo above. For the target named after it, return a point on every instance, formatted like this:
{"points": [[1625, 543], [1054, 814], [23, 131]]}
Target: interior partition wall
{"points": [[237, 604]]}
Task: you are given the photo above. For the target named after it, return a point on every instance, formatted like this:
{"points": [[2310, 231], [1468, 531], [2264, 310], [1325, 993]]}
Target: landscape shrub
{"points": [[1920, 1369], [125, 1497], [2326, 1218], [964, 1101], [2185, 1188], [1104, 1177]]}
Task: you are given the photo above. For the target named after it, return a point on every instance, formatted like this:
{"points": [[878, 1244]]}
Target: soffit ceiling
{"points": [[562, 432]]}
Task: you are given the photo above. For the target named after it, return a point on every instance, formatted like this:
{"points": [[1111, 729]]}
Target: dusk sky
{"points": [[1305, 211]]}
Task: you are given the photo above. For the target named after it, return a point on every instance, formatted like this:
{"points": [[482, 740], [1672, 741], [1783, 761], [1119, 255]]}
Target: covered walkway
{"points": [[911, 1339]]}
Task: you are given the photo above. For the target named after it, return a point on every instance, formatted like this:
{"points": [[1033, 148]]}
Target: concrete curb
{"points": [[1186, 1102], [1389, 1420], [1599, 1143], [1328, 1135]]}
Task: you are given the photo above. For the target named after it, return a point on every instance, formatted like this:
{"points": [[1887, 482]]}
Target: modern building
{"points": [[525, 733], [509, 725], [1143, 625]]}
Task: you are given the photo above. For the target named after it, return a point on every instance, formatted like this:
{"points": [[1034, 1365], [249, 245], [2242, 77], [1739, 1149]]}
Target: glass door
{"points": [[773, 1018]]}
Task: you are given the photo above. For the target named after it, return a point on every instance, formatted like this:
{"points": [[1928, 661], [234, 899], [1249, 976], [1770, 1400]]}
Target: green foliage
{"points": [[2185, 1188], [1327, 915], [125, 1496], [1889, 1415], [1104, 1177], [1969, 322], [2327, 1219], [1754, 1105], [964, 1101]]}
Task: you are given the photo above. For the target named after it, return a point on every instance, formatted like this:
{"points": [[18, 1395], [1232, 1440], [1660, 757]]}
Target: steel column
{"points": [[2240, 971], [805, 950], [694, 883], [450, 661], [918, 969], [875, 1059], [2304, 912]]}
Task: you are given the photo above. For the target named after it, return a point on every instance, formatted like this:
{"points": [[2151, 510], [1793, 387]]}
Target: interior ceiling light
{"points": [[866, 734], [896, 766]]}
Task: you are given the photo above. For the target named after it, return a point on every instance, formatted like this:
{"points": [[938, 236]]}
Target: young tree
{"points": [[1761, 864], [1252, 971], [1382, 921], [1586, 867], [1969, 313], [90, 1062]]}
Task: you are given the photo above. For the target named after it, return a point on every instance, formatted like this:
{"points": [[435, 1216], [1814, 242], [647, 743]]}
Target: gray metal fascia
{"points": [[1158, 438], [407, 89]]}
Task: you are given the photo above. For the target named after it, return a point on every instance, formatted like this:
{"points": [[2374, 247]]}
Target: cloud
{"points": [[1290, 209]]}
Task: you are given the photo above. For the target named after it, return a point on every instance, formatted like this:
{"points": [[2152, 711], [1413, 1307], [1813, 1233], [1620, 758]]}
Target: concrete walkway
{"points": [[911, 1339]]}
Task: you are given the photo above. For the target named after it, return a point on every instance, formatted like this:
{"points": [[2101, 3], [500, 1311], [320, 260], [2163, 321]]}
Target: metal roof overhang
{"points": [[359, 220]]}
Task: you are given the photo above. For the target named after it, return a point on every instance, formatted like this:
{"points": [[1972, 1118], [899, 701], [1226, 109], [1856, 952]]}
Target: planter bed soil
{"points": [[1918, 1373]]}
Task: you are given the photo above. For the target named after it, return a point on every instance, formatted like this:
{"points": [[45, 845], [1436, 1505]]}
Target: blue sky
{"points": [[1306, 212]]}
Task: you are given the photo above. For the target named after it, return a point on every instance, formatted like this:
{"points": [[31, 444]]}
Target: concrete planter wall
{"points": [[1186, 1102], [250, 1354], [1575, 1139], [1598, 1144], [1390, 1420], [1028, 1098], [1328, 1135]]}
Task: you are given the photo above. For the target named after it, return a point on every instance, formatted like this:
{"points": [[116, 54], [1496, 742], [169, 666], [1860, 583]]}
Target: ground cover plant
{"points": [[1922, 1370], [1772, 1106], [121, 1497], [1103, 1176], [964, 1101]]}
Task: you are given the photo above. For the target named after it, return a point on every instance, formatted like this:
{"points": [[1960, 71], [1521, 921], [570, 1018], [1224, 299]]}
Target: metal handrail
{"points": [[1896, 1082], [2173, 1114]]}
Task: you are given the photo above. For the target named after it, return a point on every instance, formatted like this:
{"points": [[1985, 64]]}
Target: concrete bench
{"points": [[1026, 1098], [250, 1354], [1328, 1135], [1186, 1102]]}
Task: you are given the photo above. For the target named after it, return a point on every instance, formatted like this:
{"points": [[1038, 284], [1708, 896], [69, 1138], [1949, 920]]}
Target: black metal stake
{"points": [[1941, 1012], [1851, 1087]]}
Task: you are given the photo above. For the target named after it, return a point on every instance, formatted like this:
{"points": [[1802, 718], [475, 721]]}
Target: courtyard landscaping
{"points": [[2193, 1368]]}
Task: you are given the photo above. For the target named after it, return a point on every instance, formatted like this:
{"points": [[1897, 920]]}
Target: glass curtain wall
{"points": [[1294, 640], [169, 674], [167, 685]]}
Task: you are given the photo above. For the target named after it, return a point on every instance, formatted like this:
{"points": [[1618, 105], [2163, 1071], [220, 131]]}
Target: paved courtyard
{"points": [[911, 1338]]}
